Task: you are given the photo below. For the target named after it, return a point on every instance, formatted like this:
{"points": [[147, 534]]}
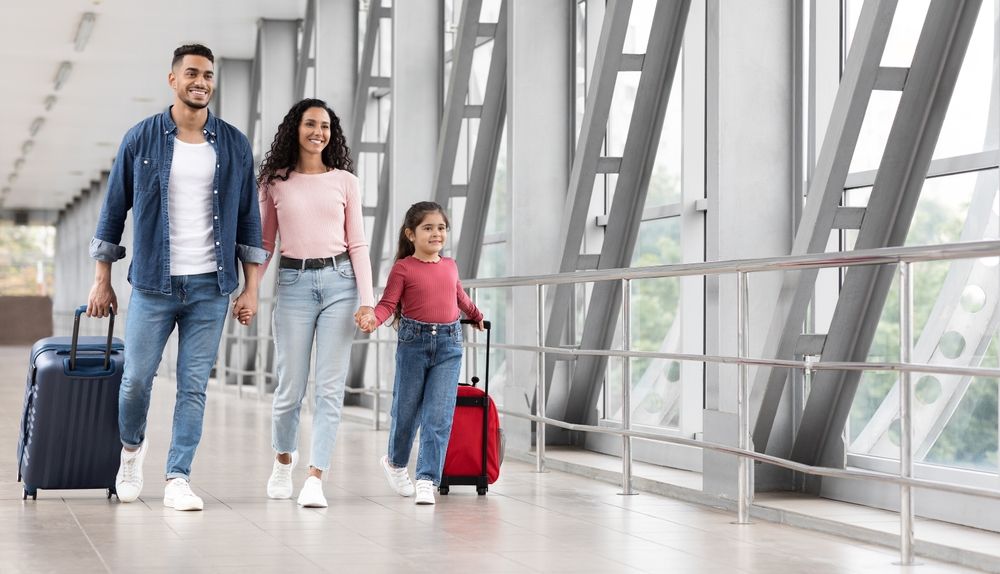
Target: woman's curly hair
{"points": [[281, 159]]}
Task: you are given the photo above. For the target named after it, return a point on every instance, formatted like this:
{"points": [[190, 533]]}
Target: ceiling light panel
{"points": [[83, 31], [62, 74]]}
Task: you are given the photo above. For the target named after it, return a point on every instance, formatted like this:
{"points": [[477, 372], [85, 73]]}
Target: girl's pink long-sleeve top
{"points": [[316, 216], [429, 292]]}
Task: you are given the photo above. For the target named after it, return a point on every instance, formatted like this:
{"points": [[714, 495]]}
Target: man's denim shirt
{"points": [[138, 181]]}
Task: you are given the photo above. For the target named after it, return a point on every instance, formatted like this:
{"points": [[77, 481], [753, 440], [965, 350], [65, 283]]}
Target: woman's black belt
{"points": [[316, 263]]}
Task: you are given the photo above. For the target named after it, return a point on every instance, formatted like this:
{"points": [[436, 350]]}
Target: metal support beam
{"points": [[584, 170], [336, 58], [936, 63], [825, 192], [479, 188], [625, 216], [484, 160], [272, 95], [365, 79]]}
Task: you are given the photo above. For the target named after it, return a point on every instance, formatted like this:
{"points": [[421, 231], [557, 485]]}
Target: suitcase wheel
{"points": [[32, 493], [480, 490], [443, 490], [110, 492]]}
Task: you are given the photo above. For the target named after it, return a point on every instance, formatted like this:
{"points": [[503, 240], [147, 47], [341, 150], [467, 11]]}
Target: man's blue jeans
{"points": [[199, 311], [428, 363], [320, 303]]}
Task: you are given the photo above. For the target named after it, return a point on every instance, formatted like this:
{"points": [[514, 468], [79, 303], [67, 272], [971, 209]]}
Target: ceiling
{"points": [[118, 78]]}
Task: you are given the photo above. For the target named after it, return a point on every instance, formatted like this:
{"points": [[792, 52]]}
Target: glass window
{"points": [[950, 327], [27, 255]]}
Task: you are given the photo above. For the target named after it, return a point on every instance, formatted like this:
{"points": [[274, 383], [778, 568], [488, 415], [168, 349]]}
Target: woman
{"points": [[309, 197]]}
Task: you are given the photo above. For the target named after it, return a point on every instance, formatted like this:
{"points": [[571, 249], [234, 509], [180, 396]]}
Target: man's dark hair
{"points": [[194, 50]]}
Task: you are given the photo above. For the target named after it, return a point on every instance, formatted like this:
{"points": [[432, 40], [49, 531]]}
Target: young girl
{"points": [[424, 293], [309, 196]]}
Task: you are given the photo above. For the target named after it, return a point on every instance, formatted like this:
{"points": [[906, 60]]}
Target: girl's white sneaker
{"points": [[398, 479], [425, 492]]}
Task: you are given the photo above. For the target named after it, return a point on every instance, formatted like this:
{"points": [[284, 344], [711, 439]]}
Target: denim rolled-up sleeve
{"points": [[249, 247], [105, 246]]}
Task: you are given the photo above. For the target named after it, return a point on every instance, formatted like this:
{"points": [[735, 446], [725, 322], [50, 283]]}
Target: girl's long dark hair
{"points": [[284, 153], [413, 218]]}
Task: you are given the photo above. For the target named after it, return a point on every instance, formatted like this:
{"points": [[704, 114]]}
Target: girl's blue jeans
{"points": [[428, 363]]}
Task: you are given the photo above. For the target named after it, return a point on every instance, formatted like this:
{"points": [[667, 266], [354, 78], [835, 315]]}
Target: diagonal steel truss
{"points": [[479, 187], [371, 85], [926, 88], [657, 67]]}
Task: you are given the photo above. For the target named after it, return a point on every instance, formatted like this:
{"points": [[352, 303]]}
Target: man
{"points": [[188, 178]]}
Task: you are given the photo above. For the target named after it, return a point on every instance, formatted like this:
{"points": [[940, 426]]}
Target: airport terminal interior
{"points": [[740, 261]]}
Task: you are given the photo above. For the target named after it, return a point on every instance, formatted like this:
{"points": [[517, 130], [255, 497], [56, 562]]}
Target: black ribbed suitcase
{"points": [[69, 429]]}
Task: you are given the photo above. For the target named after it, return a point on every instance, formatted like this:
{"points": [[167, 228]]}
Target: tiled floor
{"points": [[551, 522]]}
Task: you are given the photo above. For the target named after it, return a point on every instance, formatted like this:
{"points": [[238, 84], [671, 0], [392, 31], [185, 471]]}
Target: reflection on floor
{"points": [[551, 522]]}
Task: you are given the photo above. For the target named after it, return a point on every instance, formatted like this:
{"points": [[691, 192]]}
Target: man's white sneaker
{"points": [[128, 481], [311, 495], [280, 483], [398, 479], [178, 495], [425, 492]]}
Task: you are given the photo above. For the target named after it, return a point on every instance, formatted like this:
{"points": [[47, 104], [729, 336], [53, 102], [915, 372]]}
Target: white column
{"points": [[417, 88], [233, 92], [748, 187], [539, 130], [337, 57]]}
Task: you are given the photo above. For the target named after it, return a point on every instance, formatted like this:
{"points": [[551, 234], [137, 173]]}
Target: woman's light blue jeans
{"points": [[198, 309], [312, 303], [428, 364]]}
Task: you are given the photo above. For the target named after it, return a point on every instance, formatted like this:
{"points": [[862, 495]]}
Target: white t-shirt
{"points": [[189, 209]]}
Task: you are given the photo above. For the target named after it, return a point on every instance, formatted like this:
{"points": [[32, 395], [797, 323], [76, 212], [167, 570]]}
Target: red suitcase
{"points": [[475, 449]]}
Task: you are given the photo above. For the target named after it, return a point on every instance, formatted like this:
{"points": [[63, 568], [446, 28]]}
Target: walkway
{"points": [[551, 522]]}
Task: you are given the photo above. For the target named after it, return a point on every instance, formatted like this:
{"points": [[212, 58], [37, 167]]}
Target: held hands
{"points": [[245, 307], [364, 318]]}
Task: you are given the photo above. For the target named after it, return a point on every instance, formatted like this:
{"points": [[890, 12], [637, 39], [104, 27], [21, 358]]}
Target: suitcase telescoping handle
{"points": [[76, 336], [486, 391], [489, 327]]}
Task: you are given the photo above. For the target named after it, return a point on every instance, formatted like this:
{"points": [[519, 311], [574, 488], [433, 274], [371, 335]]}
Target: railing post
{"points": [[377, 396], [626, 388], [540, 387], [905, 416], [220, 363], [744, 479], [474, 295], [260, 361], [239, 362]]}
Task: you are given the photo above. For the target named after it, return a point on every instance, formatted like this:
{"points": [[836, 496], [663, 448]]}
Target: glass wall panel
{"points": [[948, 211], [965, 129]]}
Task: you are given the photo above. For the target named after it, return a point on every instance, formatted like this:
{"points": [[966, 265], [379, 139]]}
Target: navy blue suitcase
{"points": [[69, 429]]}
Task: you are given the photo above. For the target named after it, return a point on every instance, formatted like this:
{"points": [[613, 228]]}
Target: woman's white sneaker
{"points": [[398, 479], [425, 492], [178, 495], [311, 495], [280, 483]]}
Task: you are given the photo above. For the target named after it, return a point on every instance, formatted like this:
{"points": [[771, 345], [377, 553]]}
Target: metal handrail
{"points": [[880, 256], [883, 256]]}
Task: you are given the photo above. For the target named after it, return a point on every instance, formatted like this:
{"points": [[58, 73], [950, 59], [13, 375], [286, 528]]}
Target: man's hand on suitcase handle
{"points": [[102, 295]]}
